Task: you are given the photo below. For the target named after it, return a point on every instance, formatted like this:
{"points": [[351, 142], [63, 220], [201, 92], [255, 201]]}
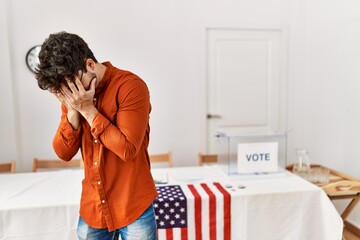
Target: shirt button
{"points": [[95, 163], [98, 182], [95, 141], [102, 201]]}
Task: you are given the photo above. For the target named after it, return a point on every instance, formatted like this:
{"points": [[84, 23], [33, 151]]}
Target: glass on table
{"points": [[318, 174], [302, 166], [324, 175]]}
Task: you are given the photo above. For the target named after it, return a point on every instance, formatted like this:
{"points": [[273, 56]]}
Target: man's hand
{"points": [[80, 99], [73, 115]]}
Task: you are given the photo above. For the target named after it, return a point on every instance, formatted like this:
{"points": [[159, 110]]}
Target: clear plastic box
{"points": [[227, 150]]}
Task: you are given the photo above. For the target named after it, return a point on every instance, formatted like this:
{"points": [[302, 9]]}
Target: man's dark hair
{"points": [[62, 55]]}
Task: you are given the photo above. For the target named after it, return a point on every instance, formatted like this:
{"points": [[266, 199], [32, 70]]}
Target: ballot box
{"points": [[260, 154]]}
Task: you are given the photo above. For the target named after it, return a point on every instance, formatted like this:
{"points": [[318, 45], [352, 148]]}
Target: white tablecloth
{"points": [[44, 205], [288, 208]]}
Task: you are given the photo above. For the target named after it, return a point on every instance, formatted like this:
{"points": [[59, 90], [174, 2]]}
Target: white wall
{"points": [[333, 116], [164, 43], [8, 120]]}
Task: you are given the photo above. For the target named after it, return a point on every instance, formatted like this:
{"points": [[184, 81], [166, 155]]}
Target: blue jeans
{"points": [[144, 228]]}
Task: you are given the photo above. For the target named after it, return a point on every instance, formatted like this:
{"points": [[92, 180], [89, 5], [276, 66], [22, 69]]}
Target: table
{"points": [[44, 205], [41, 205], [340, 187], [285, 209], [275, 207]]}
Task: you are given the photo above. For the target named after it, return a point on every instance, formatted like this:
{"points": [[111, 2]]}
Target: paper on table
{"points": [[160, 178], [189, 178]]}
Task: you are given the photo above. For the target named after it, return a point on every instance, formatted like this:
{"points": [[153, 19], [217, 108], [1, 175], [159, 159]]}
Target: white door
{"points": [[246, 76]]}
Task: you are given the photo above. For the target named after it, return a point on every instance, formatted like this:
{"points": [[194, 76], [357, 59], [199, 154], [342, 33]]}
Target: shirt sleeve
{"points": [[132, 118], [66, 142]]}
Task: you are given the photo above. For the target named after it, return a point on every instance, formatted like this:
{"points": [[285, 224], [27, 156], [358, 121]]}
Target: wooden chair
{"points": [[8, 167], [162, 158], [55, 164], [207, 158]]}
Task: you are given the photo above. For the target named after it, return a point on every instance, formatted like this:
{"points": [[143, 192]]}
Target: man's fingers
{"points": [[79, 85], [65, 90], [72, 86], [93, 84]]}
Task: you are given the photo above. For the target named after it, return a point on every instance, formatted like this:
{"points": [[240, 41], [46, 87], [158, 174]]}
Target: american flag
{"points": [[194, 211]]}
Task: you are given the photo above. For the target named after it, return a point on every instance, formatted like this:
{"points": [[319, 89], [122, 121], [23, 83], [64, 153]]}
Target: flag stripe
{"points": [[184, 233], [219, 198], [212, 212], [204, 212], [190, 212], [162, 234], [227, 211], [198, 230], [169, 234], [176, 233]]}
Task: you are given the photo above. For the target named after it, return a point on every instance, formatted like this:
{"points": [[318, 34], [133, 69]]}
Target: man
{"points": [[105, 114]]}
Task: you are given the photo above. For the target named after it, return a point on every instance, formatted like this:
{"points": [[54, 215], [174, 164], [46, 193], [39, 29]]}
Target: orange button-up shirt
{"points": [[118, 186]]}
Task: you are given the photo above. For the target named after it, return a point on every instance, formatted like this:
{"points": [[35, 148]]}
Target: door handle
{"points": [[210, 116]]}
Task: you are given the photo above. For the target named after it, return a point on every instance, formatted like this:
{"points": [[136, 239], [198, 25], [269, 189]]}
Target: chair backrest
{"points": [[161, 158], [9, 167], [54, 164], [207, 158]]}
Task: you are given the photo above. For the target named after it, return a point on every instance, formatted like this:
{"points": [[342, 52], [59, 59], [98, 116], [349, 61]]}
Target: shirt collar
{"points": [[106, 77]]}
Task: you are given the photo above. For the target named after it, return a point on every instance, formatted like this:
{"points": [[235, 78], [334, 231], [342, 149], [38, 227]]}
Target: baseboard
{"points": [[352, 228]]}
